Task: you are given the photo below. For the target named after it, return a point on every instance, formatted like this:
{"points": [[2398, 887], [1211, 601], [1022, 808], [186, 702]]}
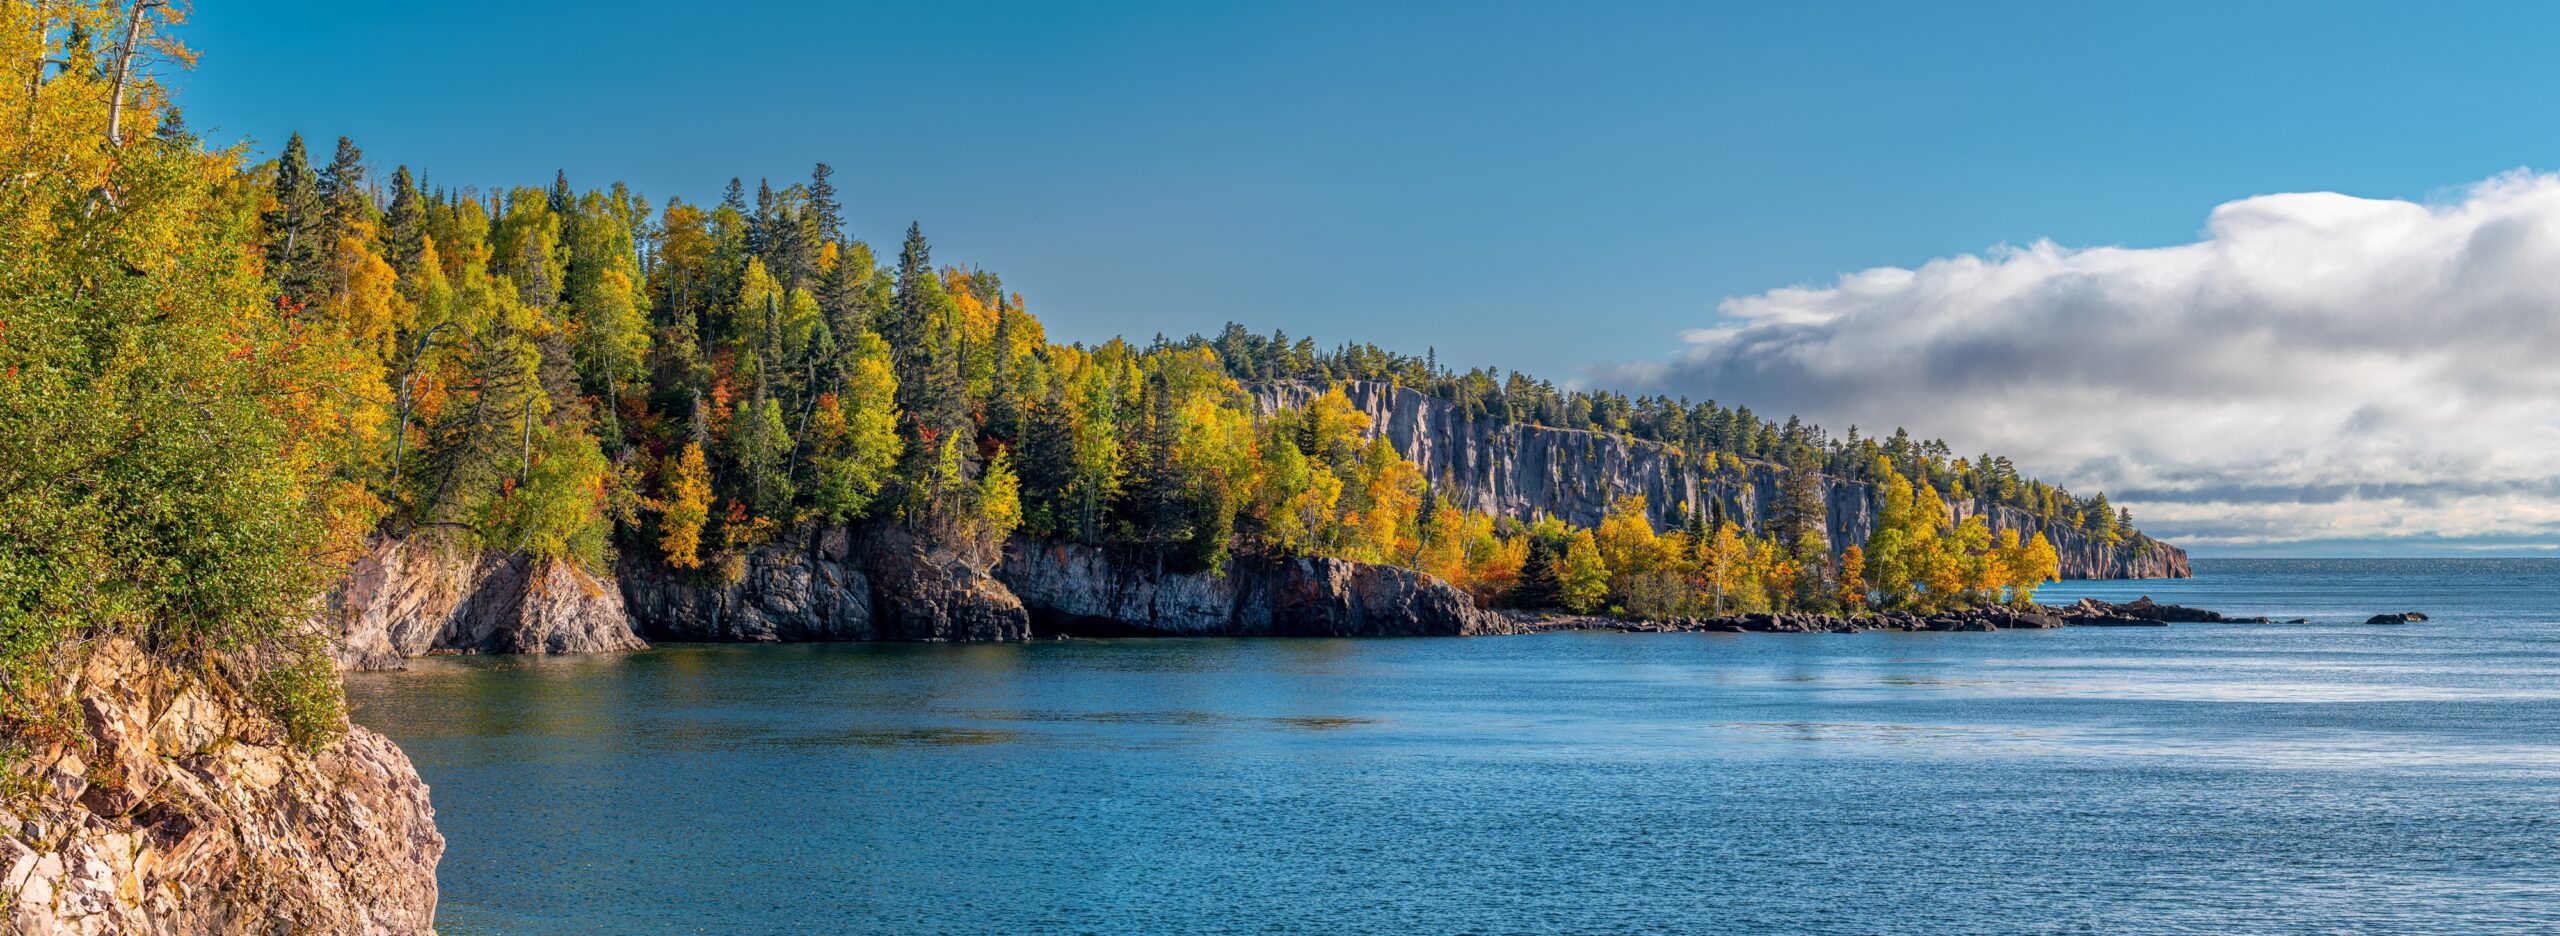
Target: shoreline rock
{"points": [[830, 583], [413, 596], [2084, 613], [181, 810], [1076, 589]]}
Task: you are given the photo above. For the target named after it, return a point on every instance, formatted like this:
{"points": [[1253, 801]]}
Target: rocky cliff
{"points": [[410, 596], [1529, 471], [828, 583], [176, 809], [1089, 590]]}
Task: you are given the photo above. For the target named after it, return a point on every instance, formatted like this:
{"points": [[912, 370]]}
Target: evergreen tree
{"points": [[347, 205], [761, 224], [1800, 510], [2099, 521], [405, 225], [823, 208], [297, 227], [1004, 399]]}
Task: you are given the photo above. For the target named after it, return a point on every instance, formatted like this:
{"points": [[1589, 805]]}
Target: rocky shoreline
{"points": [[2086, 612], [883, 583], [176, 807]]}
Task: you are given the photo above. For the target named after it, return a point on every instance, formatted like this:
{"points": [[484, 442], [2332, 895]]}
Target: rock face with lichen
{"points": [[1093, 590], [829, 582], [410, 596], [177, 809], [1526, 471]]}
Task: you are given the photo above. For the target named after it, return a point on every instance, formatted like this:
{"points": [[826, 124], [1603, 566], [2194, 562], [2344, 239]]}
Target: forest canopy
{"points": [[218, 379]]}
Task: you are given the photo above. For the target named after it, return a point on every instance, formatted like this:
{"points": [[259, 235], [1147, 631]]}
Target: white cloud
{"points": [[2317, 367]]}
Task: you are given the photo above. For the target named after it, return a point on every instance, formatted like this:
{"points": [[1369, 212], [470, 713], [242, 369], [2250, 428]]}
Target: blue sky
{"points": [[1562, 189]]}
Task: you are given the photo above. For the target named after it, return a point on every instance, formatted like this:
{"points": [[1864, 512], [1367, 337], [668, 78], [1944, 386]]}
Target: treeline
{"points": [[217, 380], [573, 371], [1701, 429]]}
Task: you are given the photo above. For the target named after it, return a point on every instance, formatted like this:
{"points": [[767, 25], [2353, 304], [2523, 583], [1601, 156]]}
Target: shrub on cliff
{"points": [[171, 429]]}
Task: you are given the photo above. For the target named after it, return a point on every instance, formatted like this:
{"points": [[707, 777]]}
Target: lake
{"points": [[2211, 778]]}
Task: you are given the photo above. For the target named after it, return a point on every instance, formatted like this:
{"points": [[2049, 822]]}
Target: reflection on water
{"points": [[2328, 776]]}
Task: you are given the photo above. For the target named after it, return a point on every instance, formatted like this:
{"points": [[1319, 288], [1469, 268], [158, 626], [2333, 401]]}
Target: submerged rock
{"points": [[182, 810], [2090, 612], [2403, 617], [411, 596]]}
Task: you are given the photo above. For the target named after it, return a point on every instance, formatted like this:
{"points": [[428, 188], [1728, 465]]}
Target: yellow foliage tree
{"points": [[688, 507]]}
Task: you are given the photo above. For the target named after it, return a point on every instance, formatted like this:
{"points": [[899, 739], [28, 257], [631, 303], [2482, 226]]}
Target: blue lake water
{"points": [[2323, 777]]}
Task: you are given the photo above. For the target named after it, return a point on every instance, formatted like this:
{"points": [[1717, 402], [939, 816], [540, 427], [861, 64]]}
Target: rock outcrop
{"points": [[1096, 591], [828, 583], [177, 810], [1966, 619], [410, 596], [2090, 612], [1528, 471]]}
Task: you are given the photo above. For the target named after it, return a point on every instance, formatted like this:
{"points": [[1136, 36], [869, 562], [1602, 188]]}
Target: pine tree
{"points": [[1800, 500], [347, 204], [2100, 521], [761, 224], [823, 209], [1004, 397], [296, 245], [405, 226], [734, 197]]}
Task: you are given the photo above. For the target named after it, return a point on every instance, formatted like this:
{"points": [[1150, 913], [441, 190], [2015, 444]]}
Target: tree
{"points": [[1722, 564], [297, 241], [688, 507], [760, 446], [1853, 583], [1582, 580], [1800, 500], [405, 224], [824, 210], [2035, 565], [2099, 521], [345, 203], [857, 432]]}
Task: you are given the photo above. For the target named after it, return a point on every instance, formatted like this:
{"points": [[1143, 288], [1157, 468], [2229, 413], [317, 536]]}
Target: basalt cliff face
{"points": [[1090, 590], [1527, 471], [179, 810], [410, 596], [839, 583], [828, 583]]}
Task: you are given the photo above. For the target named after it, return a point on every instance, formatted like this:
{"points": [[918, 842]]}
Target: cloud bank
{"points": [[2316, 368]]}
